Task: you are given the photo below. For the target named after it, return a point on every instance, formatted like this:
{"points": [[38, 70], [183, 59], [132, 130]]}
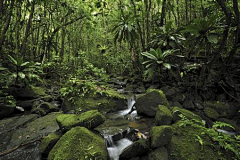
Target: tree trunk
{"points": [[163, 12], [4, 31], [28, 27]]}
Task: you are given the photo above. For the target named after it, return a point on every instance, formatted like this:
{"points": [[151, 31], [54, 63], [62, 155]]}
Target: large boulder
{"points": [[137, 149], [109, 101], [79, 143], [26, 129], [163, 116], [89, 119], [158, 154], [148, 103], [223, 109], [177, 112], [160, 136], [191, 141], [30, 92]]}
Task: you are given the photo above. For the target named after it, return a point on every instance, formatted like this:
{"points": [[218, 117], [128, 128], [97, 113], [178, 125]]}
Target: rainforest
{"points": [[119, 80]]}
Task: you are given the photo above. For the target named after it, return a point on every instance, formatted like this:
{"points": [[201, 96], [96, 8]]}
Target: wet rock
{"points": [[79, 143], [211, 113], [27, 152], [89, 119], [160, 136], [188, 114], [188, 104], [26, 103], [137, 149], [6, 110], [44, 108], [163, 116], [48, 142], [158, 154], [27, 130], [116, 128], [148, 103]]}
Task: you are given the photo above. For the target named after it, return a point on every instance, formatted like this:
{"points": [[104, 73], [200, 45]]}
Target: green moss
{"points": [[160, 136], [48, 142], [38, 90], [90, 119], [185, 144], [163, 116], [162, 95], [188, 114], [79, 144], [211, 113]]}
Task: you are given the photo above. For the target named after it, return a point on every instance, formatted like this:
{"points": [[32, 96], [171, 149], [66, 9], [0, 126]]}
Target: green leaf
{"points": [[21, 75], [212, 38], [12, 60], [24, 64], [167, 65], [2, 68]]}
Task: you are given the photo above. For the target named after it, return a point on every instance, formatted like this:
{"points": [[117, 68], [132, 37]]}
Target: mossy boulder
{"points": [[158, 154], [176, 111], [109, 101], [89, 119], [30, 92], [44, 108], [79, 144], [137, 149], [211, 113], [48, 142], [223, 109], [163, 116], [148, 103], [160, 136], [190, 141]]}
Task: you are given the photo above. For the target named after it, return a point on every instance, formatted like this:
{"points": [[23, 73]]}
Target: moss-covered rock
{"points": [[79, 144], [48, 142], [211, 113], [158, 154], [192, 142], [137, 149], [89, 119], [148, 103], [163, 116], [176, 111], [109, 101], [223, 109], [160, 136], [27, 92], [44, 108]]}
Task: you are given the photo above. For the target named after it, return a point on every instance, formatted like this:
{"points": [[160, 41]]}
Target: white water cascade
{"points": [[114, 150], [131, 102]]}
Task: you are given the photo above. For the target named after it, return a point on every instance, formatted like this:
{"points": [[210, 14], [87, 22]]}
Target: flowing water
{"points": [[116, 148]]}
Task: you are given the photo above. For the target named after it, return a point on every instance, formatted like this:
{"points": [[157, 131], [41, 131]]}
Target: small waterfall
{"points": [[131, 102], [115, 150]]}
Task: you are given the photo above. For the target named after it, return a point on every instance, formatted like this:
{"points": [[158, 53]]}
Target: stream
{"points": [[116, 148]]}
